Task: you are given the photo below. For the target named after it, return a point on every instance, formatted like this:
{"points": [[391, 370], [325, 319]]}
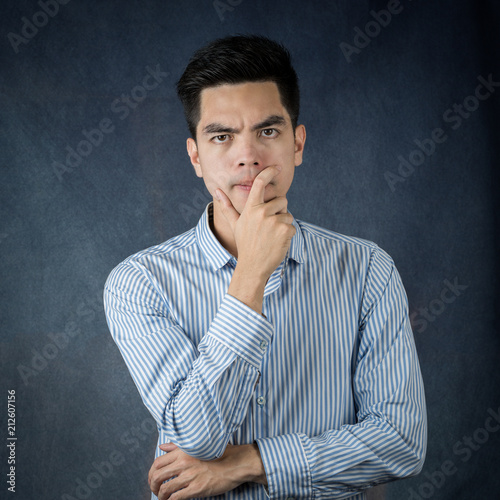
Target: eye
{"points": [[220, 138], [269, 133]]}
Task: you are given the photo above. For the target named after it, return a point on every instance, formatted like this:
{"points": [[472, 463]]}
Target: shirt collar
{"points": [[218, 256]]}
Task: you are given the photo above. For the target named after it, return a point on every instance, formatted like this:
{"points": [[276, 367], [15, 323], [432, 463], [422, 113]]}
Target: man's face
{"points": [[242, 130]]}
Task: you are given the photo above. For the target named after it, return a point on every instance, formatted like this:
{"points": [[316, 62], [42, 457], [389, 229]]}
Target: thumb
{"points": [[227, 208], [167, 447]]}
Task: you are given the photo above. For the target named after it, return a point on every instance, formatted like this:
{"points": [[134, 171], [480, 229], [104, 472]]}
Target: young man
{"points": [[276, 357]]}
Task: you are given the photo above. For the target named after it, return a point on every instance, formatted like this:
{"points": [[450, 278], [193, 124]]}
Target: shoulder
{"points": [[146, 263], [354, 251], [317, 233], [172, 248]]}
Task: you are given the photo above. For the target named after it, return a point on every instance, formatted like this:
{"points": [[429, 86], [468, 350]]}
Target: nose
{"points": [[248, 153]]}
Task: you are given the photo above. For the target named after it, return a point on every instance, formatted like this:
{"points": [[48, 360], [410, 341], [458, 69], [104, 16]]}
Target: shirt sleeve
{"points": [[198, 395], [388, 440]]}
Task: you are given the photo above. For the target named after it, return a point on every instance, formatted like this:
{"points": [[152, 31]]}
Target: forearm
{"points": [[198, 395], [386, 441], [210, 404], [197, 478], [339, 463]]}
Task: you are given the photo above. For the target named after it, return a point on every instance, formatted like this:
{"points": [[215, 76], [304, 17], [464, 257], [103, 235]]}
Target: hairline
{"points": [[223, 84]]}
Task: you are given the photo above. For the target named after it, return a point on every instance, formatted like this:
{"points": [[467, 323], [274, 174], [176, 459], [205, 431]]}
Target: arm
{"points": [[200, 396], [389, 439], [187, 477]]}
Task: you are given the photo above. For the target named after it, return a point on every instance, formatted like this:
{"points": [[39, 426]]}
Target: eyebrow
{"points": [[219, 128]]}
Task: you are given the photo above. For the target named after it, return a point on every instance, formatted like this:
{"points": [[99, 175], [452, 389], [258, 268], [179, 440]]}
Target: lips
{"points": [[244, 185]]}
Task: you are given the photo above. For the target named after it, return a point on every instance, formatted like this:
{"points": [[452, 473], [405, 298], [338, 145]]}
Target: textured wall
{"points": [[402, 149]]}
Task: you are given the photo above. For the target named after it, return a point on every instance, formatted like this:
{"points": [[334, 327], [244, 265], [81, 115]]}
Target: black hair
{"points": [[238, 59]]}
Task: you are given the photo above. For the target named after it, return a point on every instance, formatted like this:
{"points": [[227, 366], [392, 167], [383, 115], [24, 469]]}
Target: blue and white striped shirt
{"points": [[326, 381]]}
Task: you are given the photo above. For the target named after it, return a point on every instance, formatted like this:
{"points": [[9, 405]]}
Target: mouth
{"points": [[244, 185]]}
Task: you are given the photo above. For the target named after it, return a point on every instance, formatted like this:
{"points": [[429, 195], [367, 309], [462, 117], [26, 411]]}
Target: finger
{"points": [[227, 208], [167, 447], [276, 206], [175, 488], [159, 477], [159, 463], [256, 195], [285, 218]]}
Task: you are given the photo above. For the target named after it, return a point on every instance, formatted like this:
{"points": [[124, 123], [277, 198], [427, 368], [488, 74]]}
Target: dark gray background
{"points": [[61, 235]]}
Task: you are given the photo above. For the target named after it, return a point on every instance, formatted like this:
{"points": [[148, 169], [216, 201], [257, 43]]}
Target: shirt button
{"points": [[263, 345], [261, 400]]}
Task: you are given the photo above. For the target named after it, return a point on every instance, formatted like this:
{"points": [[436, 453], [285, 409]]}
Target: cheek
{"points": [[287, 181], [214, 175]]}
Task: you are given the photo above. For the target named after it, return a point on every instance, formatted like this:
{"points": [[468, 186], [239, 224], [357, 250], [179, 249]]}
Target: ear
{"points": [[192, 150], [300, 140]]}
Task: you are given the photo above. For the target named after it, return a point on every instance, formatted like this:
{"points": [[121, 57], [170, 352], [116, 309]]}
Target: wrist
{"points": [[248, 287], [247, 464]]}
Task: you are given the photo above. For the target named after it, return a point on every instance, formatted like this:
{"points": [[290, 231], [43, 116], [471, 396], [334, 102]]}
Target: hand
{"points": [[262, 233], [194, 478]]}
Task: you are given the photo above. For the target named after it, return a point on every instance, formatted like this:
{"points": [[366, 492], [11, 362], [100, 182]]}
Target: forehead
{"points": [[248, 101]]}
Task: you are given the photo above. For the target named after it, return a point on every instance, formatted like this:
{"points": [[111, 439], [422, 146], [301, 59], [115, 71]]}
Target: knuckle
{"points": [[260, 211], [164, 491], [156, 479]]}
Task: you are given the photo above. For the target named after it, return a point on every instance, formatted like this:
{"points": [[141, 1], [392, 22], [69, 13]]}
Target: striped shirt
{"points": [[326, 380]]}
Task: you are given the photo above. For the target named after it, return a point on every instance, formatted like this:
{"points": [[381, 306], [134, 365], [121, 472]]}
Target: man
{"points": [[276, 357]]}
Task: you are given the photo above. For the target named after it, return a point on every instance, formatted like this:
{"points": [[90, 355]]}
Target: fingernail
{"points": [[278, 167], [217, 195]]}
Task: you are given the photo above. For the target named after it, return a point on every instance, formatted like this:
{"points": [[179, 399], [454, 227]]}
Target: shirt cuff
{"points": [[287, 470], [241, 329]]}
